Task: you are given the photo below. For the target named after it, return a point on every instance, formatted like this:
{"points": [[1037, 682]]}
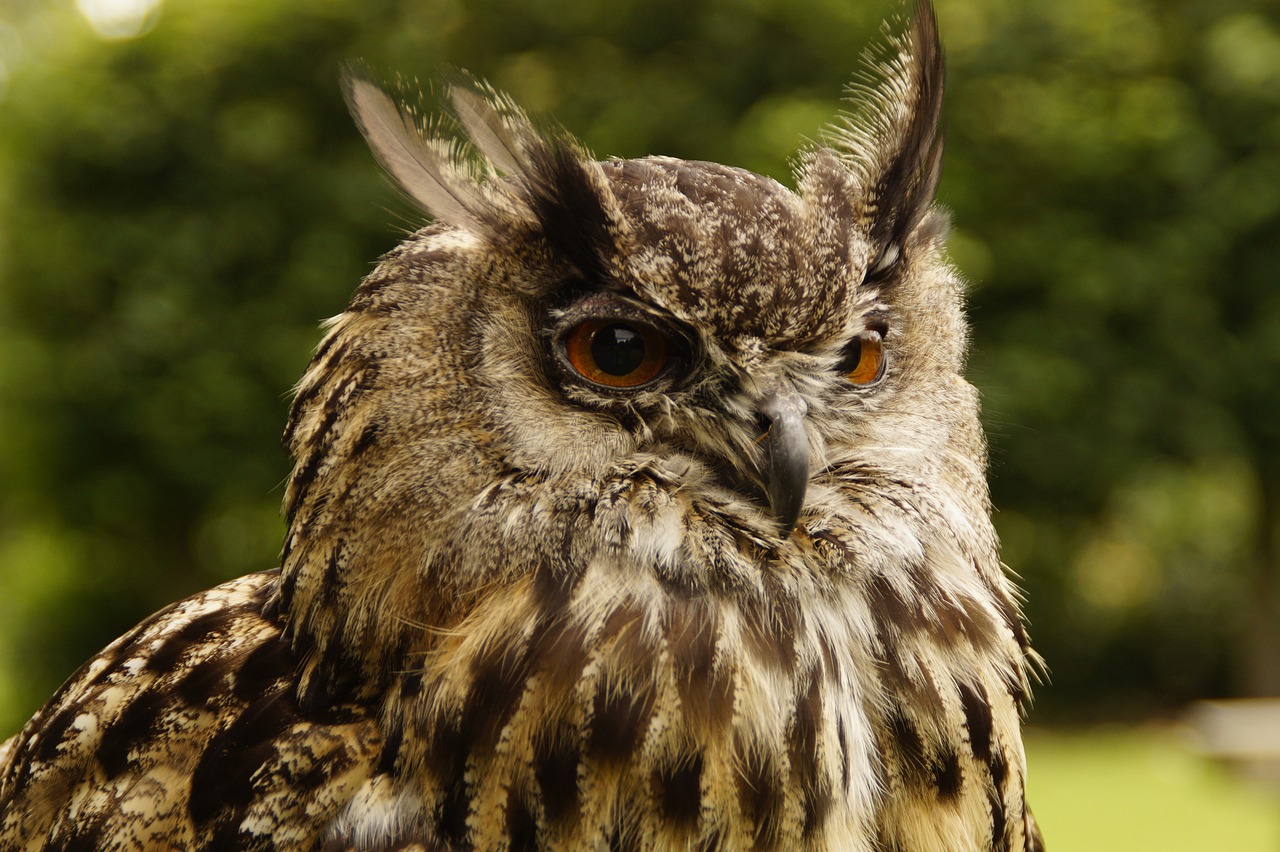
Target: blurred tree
{"points": [[179, 206]]}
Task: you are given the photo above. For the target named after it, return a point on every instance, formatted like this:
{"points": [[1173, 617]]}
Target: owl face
{"points": [[722, 326], [694, 312]]}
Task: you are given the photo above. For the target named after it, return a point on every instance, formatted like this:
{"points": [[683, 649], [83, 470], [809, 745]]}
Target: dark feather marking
{"points": [[52, 734], [830, 664], [136, 724], [270, 610], [447, 759], [370, 297], [892, 610], [559, 650], [921, 691], [981, 628], [313, 686], [692, 630], [411, 685], [910, 748], [555, 764], [288, 585], [331, 582], [223, 778], [363, 375], [999, 769], [338, 674], [197, 631], [572, 216], [206, 679], [843, 742], [266, 666], [368, 437], [1015, 686], [620, 713], [390, 750], [335, 344], [1008, 612], [771, 634], [951, 624], [452, 819], [498, 679], [977, 718], [331, 407], [802, 737], [165, 657], [999, 817], [522, 823], [553, 584], [999, 840], [679, 790], [947, 777], [630, 640], [802, 747], [304, 475], [85, 839], [761, 794]]}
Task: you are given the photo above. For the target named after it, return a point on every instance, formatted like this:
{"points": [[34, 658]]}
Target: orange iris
{"points": [[616, 353], [869, 366]]}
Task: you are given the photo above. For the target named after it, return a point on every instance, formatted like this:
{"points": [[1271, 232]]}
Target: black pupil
{"points": [[618, 350], [852, 356]]}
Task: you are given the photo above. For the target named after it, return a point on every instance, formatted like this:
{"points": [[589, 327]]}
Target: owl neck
{"points": [[643, 643]]}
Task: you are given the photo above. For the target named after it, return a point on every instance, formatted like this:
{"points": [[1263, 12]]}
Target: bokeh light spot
{"points": [[120, 19]]}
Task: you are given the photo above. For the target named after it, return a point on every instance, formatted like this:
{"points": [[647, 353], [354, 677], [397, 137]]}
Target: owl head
{"points": [[683, 368]]}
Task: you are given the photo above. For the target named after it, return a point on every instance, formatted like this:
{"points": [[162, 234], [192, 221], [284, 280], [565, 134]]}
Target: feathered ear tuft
{"points": [[432, 172], [890, 139], [494, 123], [523, 179]]}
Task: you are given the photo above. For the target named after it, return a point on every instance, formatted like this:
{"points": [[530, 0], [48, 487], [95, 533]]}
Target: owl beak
{"points": [[787, 446]]}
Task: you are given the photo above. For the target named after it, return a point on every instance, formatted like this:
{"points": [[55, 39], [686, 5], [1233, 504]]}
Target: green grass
{"points": [[1143, 789]]}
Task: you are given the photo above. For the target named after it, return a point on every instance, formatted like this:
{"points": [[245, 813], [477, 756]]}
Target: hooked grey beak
{"points": [[787, 447]]}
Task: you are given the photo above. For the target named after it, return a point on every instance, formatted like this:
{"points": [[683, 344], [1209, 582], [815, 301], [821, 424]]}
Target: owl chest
{"points": [[684, 724]]}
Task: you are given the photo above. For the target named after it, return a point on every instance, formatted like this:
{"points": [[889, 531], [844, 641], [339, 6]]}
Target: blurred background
{"points": [[183, 198]]}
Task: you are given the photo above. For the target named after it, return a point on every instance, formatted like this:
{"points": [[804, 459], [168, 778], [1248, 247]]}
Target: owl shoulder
{"points": [[186, 731]]}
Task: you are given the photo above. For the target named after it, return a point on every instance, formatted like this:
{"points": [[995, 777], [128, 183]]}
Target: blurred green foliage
{"points": [[182, 198]]}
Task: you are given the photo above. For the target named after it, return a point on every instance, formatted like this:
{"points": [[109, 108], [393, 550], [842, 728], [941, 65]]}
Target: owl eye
{"points": [[617, 353], [863, 362]]}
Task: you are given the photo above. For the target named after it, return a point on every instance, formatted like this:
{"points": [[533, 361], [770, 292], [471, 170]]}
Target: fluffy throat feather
{"points": [[619, 661], [363, 609]]}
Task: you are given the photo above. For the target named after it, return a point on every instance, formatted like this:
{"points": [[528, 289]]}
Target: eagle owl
{"points": [[636, 504]]}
